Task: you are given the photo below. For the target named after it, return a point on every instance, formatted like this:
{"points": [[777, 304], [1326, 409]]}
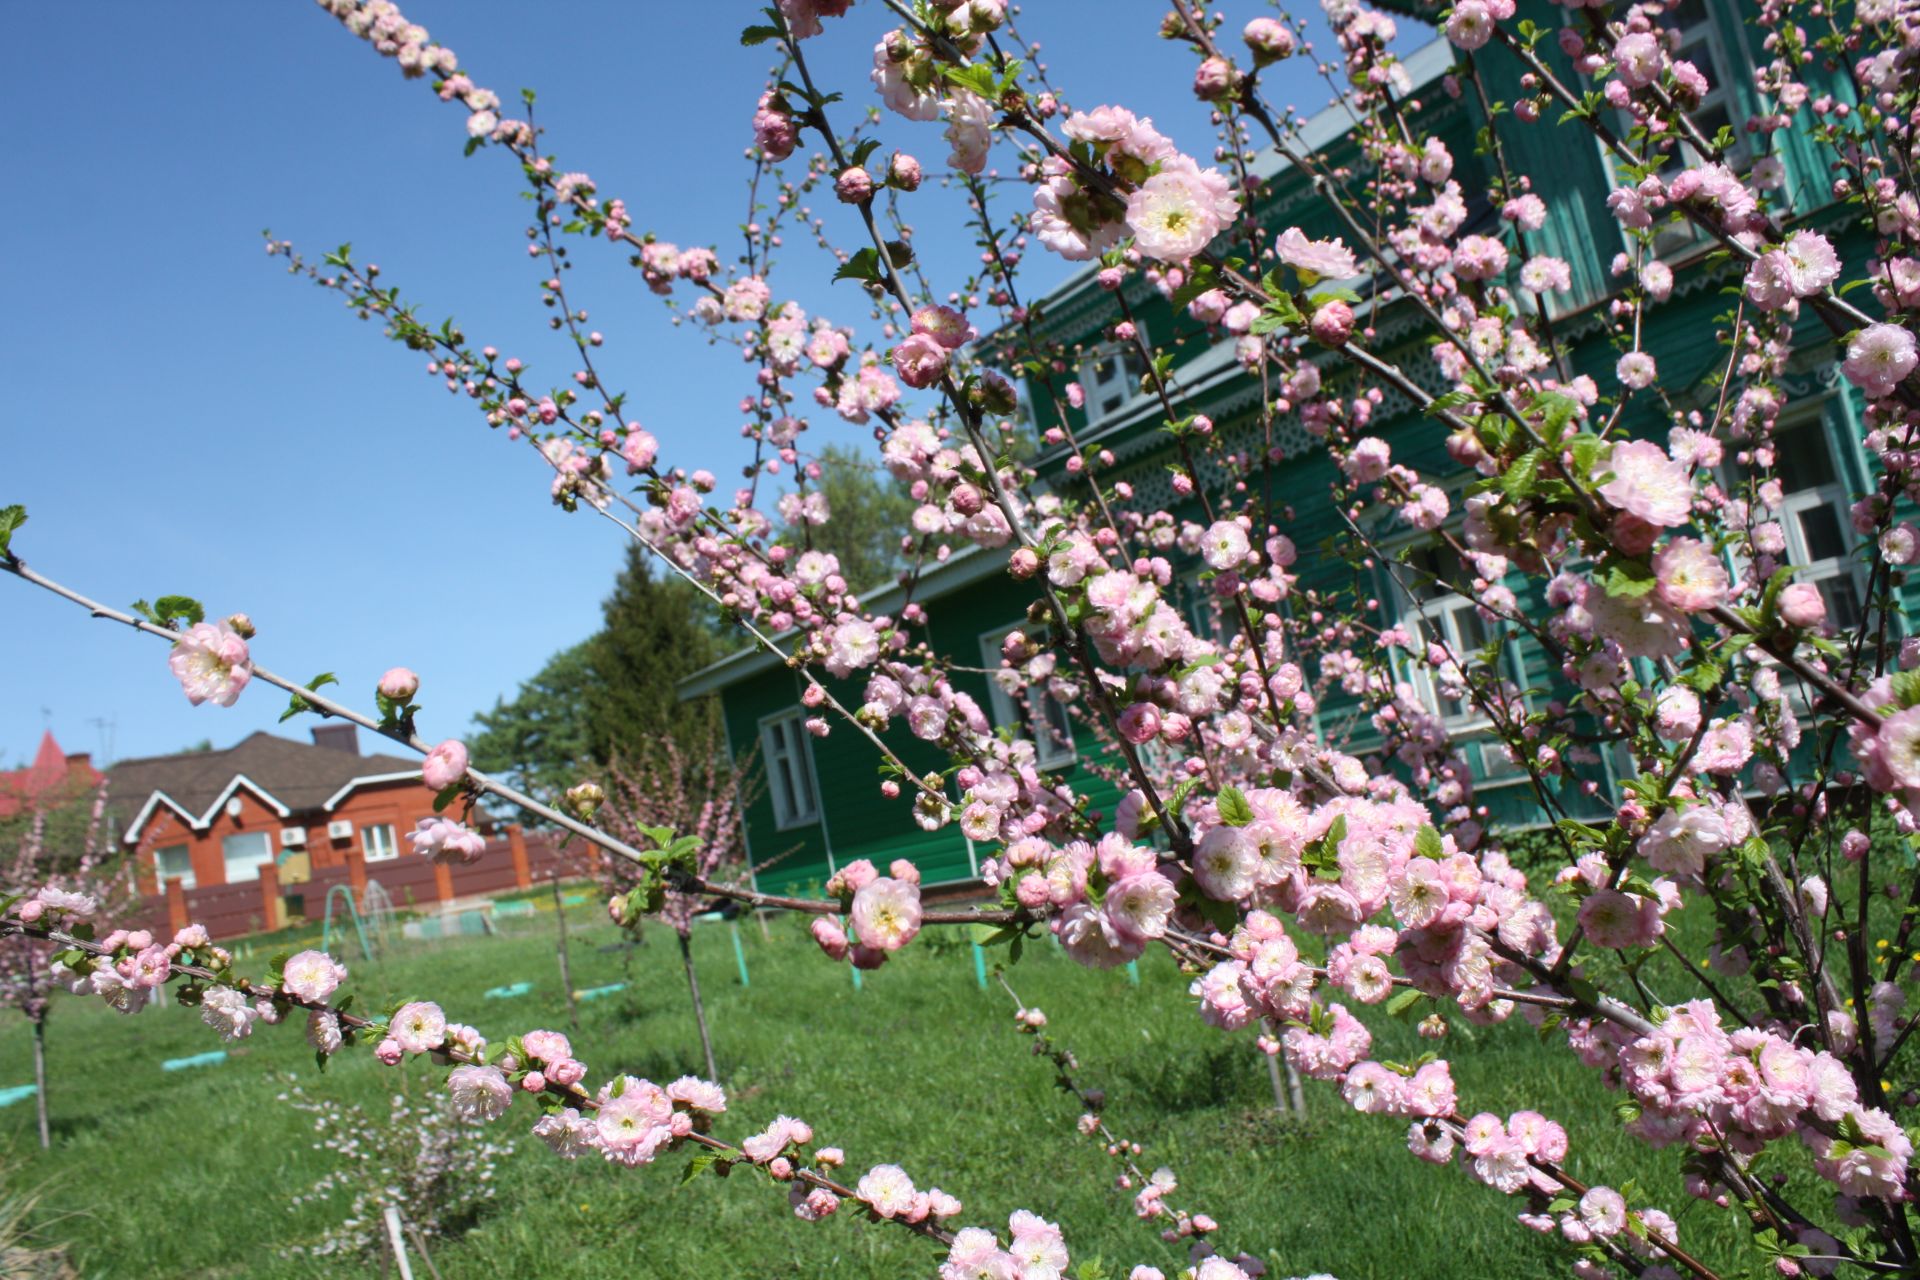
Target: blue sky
{"points": [[187, 419]]}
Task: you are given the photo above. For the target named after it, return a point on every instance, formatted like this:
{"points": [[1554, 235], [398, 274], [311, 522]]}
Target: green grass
{"points": [[187, 1173]]}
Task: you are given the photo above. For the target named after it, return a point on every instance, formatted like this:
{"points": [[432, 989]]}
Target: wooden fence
{"points": [[514, 861]]}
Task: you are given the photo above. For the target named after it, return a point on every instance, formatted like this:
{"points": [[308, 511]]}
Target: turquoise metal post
{"points": [[980, 965], [739, 952], [856, 978], [1133, 972]]}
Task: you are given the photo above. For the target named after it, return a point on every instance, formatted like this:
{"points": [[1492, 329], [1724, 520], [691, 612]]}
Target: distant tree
{"points": [[871, 511], [656, 631], [538, 741]]}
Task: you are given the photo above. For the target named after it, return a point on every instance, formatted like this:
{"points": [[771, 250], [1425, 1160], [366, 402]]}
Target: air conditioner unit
{"points": [[293, 835], [340, 830]]}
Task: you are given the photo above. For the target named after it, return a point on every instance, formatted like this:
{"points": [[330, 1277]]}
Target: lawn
{"points": [[188, 1173]]}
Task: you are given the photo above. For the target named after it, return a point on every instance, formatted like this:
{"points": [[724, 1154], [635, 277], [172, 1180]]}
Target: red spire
{"points": [[50, 771]]}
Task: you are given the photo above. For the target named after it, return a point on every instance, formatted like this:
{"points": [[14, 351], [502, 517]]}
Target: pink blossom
{"points": [[445, 765], [211, 662], [445, 840], [1802, 605], [1879, 357], [1316, 259], [944, 325], [1636, 370], [419, 1027], [886, 913], [1177, 212], [312, 976], [1470, 25], [1638, 58], [920, 360], [479, 1093], [1648, 484], [1691, 576]]}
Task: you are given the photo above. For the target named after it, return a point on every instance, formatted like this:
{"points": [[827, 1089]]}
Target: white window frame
{"points": [[1125, 356], [1833, 496], [792, 782], [375, 847], [251, 869], [1471, 729], [1048, 725], [160, 872]]}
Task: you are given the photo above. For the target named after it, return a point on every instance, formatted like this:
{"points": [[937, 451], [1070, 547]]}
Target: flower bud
{"points": [[399, 685], [1269, 39], [585, 799], [1332, 324], [242, 625], [903, 171], [854, 186]]}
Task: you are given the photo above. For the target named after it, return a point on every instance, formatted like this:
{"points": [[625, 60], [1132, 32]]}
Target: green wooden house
{"points": [[821, 807]]}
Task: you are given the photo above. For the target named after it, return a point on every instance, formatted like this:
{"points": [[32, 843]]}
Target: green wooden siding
{"points": [[1573, 177]]}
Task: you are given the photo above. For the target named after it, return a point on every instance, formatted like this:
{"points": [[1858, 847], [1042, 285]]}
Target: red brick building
{"points": [[208, 818], [53, 779]]}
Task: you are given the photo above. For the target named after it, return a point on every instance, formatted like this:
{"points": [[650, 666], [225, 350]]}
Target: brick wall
{"points": [[514, 860]]}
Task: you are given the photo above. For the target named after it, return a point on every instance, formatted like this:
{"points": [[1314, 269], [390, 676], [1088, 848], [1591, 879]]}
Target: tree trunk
{"points": [[40, 1078], [1279, 1095], [699, 1010], [566, 968]]}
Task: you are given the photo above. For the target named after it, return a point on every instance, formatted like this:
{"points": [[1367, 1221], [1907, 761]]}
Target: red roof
{"points": [[53, 775]]}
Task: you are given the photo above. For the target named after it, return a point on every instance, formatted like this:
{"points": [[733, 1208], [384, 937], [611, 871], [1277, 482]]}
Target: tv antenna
{"points": [[105, 725]]}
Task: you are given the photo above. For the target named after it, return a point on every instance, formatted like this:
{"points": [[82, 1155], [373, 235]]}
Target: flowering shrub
{"points": [[1312, 871], [425, 1158]]}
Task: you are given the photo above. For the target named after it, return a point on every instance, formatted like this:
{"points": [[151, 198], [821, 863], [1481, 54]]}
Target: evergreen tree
{"points": [[657, 631]]}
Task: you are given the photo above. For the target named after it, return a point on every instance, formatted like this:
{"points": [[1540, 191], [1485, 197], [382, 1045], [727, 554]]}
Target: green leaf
{"points": [[1586, 450], [1557, 411], [700, 1163], [1629, 579], [296, 704], [864, 265], [1404, 1000], [448, 794], [1233, 806], [1520, 479], [169, 608], [758, 34], [1428, 844], [11, 518], [977, 78]]}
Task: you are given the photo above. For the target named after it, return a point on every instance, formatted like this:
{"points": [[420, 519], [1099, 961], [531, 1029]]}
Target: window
{"points": [[1699, 42], [784, 742], [173, 863], [1814, 517], [1433, 612], [245, 853], [1111, 376], [1047, 723], [1206, 614], [377, 843]]}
